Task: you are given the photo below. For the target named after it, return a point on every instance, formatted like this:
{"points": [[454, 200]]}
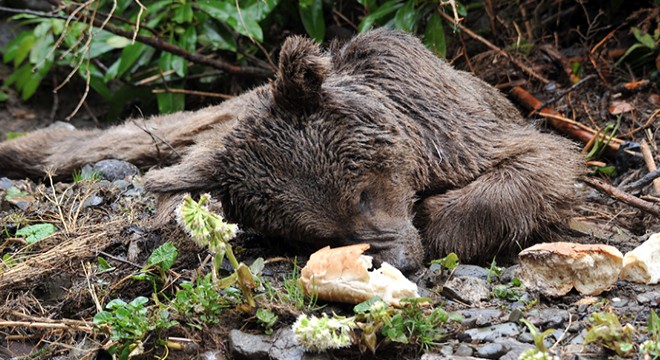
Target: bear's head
{"points": [[320, 159]]}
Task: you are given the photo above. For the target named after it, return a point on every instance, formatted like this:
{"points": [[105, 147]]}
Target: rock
{"points": [[433, 356], [248, 346], [6, 183], [469, 290], [479, 317], [472, 271], [618, 302], [285, 346], [490, 333], [113, 169], [548, 317], [464, 350], [515, 348], [642, 265], [93, 200], [492, 351], [509, 273], [651, 296]]}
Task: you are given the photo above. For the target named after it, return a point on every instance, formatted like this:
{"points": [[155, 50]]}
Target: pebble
{"points": [[470, 290], [248, 346], [492, 351], [6, 183], [464, 350], [619, 302], [649, 297], [548, 317], [472, 271], [480, 317], [490, 333], [113, 169]]}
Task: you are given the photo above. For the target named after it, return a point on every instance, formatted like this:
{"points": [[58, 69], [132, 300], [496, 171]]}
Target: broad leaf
{"points": [[311, 14], [36, 232], [383, 11], [434, 36], [164, 256], [406, 17]]}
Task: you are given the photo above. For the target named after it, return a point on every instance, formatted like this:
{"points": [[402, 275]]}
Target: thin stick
{"points": [[650, 163], [192, 92], [514, 60], [643, 181], [620, 195], [43, 325]]}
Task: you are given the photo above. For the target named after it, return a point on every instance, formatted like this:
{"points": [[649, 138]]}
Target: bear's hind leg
{"points": [[524, 199]]}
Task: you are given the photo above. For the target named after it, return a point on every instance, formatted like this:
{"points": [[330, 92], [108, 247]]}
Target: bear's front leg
{"points": [[523, 199]]}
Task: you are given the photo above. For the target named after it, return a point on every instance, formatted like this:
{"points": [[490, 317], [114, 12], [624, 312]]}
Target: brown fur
{"points": [[375, 141]]}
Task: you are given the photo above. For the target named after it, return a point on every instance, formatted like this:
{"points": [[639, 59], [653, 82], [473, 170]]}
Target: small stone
{"points": [[651, 296], [285, 346], [92, 201], [464, 350], [248, 346], [479, 317], [467, 289], [514, 348], [516, 314], [113, 169], [491, 351], [509, 273], [526, 338], [6, 183], [548, 317], [121, 184], [473, 271], [490, 333], [619, 302]]}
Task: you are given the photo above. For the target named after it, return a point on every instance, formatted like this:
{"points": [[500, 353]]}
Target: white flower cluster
{"points": [[533, 354], [200, 223], [320, 334]]}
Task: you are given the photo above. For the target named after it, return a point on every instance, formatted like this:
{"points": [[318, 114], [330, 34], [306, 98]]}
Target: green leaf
{"points": [[183, 14], [3, 96], [449, 262], [365, 306], [14, 192], [189, 39], [103, 264], [164, 256], [434, 36], [24, 49], [41, 48], [30, 87], [217, 37], [383, 11], [11, 49], [117, 42], [257, 266], [645, 39], [219, 10], [311, 14], [406, 17], [170, 102], [36, 232], [129, 55]]}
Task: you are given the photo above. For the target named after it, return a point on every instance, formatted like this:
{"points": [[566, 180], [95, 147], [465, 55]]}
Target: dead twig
{"points": [[494, 47], [559, 122], [621, 195], [643, 181], [192, 92], [650, 164]]}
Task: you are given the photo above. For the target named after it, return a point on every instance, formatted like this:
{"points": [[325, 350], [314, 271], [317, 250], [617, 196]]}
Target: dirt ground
{"points": [[52, 288]]}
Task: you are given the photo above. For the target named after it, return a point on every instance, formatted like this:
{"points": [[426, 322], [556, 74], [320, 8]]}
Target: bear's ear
{"points": [[302, 70]]}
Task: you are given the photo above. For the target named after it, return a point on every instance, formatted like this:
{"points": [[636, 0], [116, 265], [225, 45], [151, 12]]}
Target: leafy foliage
{"points": [[36, 232], [606, 330], [199, 302]]}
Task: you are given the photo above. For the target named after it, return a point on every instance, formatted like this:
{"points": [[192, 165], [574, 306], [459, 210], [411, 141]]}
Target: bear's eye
{"points": [[365, 201]]}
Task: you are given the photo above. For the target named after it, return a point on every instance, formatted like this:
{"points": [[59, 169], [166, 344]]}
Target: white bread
{"points": [[555, 268], [342, 275], [642, 265]]}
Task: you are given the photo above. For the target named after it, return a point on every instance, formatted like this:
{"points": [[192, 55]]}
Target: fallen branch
{"points": [[570, 127], [621, 195], [643, 181], [650, 164], [513, 59]]}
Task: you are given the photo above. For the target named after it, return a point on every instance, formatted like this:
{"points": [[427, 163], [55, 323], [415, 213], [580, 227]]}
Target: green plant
{"points": [[36, 232], [14, 192], [127, 43], [606, 330], [129, 323], [79, 176], [267, 320], [651, 347], [449, 262], [540, 352], [159, 261], [493, 271], [200, 303], [646, 48], [413, 323], [208, 229]]}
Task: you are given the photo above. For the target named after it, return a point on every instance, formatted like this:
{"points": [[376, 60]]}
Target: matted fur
{"points": [[375, 140]]}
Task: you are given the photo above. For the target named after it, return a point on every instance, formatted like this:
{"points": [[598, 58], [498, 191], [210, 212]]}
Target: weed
{"points": [[14, 192], [449, 262], [606, 330], [267, 320], [36, 232], [129, 323], [651, 347], [540, 352], [493, 271], [159, 261], [199, 303], [79, 176], [320, 334]]}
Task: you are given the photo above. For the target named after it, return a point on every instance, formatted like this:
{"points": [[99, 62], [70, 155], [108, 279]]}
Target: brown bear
{"points": [[374, 140]]}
